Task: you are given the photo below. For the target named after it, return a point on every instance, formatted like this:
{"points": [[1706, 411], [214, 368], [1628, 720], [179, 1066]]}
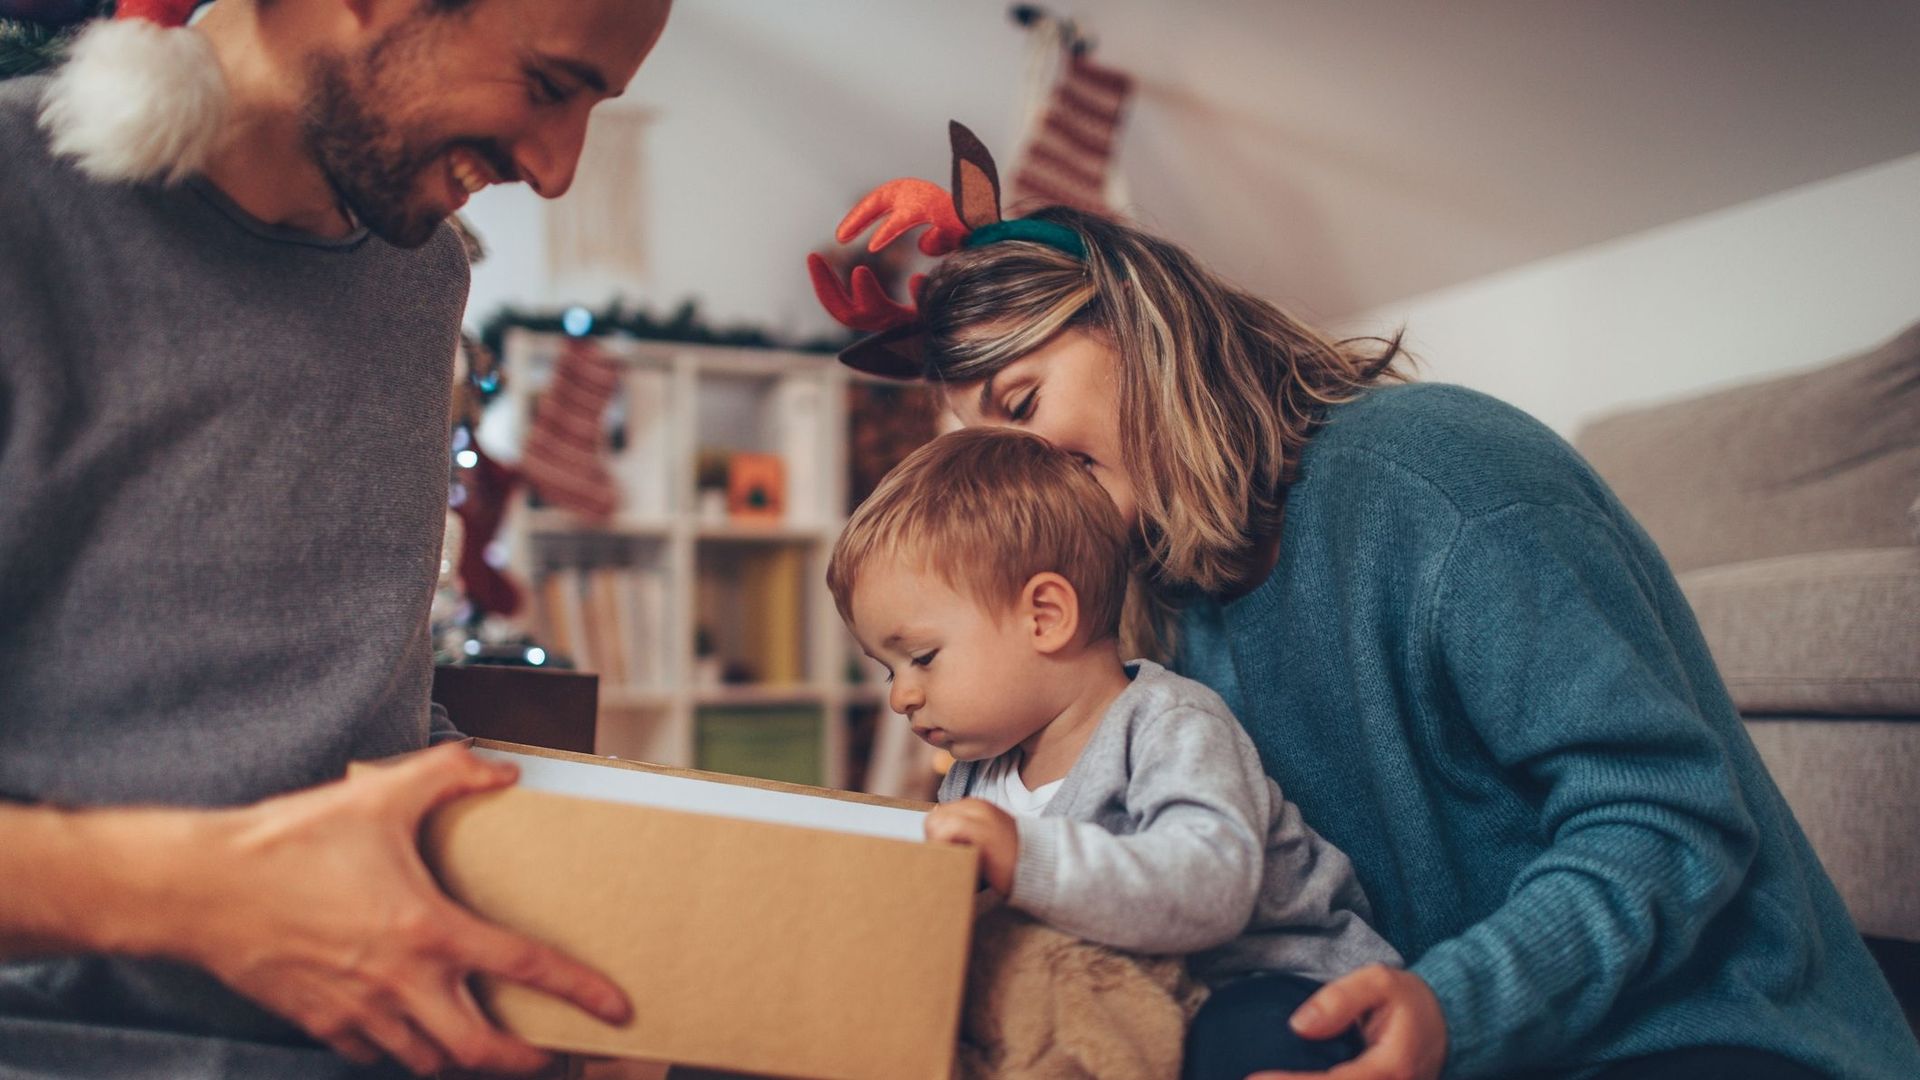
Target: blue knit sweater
{"points": [[1474, 673]]}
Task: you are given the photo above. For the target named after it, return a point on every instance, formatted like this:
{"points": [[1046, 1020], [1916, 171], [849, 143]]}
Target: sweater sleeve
{"points": [[440, 726], [1188, 877], [1546, 621]]}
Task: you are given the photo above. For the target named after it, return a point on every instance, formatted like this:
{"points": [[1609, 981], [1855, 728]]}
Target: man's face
{"points": [[426, 107]]}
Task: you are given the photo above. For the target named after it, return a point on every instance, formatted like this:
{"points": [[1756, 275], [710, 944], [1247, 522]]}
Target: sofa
{"points": [[1789, 509]]}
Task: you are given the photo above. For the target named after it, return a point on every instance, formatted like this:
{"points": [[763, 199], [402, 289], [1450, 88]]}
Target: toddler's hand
{"points": [[979, 824]]}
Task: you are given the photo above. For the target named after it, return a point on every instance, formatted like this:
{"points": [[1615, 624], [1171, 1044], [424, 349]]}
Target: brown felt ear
{"points": [[898, 353], [976, 184]]}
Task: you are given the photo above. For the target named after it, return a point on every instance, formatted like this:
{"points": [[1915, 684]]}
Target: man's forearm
{"points": [[90, 880]]}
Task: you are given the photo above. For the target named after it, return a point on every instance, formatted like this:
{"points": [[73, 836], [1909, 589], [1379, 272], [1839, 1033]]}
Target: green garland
{"points": [[683, 325], [29, 47]]}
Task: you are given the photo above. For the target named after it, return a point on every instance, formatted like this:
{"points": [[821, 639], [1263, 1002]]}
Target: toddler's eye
{"points": [[924, 661]]}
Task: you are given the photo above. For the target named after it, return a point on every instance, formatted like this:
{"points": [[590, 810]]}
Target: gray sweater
{"points": [[1167, 836], [223, 475]]}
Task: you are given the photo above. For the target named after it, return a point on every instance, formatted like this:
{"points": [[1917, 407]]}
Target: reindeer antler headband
{"points": [[969, 217]]}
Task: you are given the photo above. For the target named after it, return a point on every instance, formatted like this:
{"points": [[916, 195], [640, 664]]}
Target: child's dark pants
{"points": [[1243, 1029]]}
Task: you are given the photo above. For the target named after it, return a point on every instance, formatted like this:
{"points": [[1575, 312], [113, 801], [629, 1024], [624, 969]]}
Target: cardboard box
{"points": [[760, 927]]}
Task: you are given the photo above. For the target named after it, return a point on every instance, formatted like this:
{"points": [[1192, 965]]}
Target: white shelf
{"points": [[688, 398], [627, 697], [750, 694], [753, 532], [546, 522]]}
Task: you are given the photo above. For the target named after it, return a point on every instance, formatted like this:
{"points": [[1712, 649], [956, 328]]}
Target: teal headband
{"points": [[1051, 233]]}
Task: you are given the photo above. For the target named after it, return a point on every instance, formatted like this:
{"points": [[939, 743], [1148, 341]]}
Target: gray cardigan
{"points": [[1167, 836]]}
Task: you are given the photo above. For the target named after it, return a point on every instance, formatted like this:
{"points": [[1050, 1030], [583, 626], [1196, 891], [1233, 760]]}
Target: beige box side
{"points": [[743, 945]]}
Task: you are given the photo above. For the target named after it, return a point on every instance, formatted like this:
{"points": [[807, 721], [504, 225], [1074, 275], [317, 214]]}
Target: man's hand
{"points": [[977, 823], [317, 905], [1399, 1018]]}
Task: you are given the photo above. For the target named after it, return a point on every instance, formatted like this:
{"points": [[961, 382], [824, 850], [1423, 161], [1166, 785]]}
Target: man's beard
{"points": [[372, 167]]}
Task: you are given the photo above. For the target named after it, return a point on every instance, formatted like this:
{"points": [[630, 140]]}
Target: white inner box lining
{"points": [[711, 797]]}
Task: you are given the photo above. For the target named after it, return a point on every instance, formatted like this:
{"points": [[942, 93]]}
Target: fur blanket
{"points": [[1043, 1005]]}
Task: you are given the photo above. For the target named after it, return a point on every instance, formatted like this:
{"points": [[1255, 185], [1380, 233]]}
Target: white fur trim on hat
{"points": [[137, 102]]}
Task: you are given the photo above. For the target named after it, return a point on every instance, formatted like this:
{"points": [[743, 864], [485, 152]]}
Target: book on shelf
{"points": [[771, 580], [608, 619], [603, 602], [642, 626], [563, 616], [799, 405], [640, 468]]}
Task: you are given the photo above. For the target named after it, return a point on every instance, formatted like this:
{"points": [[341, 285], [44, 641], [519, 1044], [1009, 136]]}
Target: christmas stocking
{"points": [[565, 454], [484, 488]]}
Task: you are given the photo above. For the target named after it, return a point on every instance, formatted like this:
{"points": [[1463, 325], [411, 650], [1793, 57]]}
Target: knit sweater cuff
{"points": [[1469, 1051], [1036, 873]]}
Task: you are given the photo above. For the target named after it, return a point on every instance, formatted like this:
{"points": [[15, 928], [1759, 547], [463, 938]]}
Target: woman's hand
{"points": [[1399, 1018], [317, 906], [978, 824]]}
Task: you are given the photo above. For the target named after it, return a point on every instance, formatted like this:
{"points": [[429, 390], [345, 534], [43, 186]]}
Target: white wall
{"points": [[1787, 281], [762, 138]]}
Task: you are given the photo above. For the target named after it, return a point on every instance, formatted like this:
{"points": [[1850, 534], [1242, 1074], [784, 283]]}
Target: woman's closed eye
{"points": [[1022, 410]]}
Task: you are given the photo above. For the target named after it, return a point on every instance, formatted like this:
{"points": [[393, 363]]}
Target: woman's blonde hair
{"points": [[985, 509], [1218, 390]]}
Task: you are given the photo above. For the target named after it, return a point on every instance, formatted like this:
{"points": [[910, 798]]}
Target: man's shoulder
{"points": [[22, 143], [32, 181], [444, 258]]}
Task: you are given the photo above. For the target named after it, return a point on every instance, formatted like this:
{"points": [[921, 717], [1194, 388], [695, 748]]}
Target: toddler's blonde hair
{"points": [[986, 509]]}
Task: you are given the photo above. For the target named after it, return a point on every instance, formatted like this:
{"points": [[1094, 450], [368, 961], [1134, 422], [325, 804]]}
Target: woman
{"points": [[1457, 653]]}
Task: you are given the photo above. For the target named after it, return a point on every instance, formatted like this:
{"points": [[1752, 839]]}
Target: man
{"points": [[223, 426]]}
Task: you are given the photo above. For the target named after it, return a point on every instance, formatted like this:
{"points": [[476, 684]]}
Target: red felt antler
{"points": [[868, 308], [899, 206]]}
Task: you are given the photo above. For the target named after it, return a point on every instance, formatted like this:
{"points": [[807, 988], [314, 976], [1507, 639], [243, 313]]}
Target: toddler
{"points": [[1112, 799]]}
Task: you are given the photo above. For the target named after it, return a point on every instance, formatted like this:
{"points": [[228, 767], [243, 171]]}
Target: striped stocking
{"points": [[1068, 154], [565, 457]]}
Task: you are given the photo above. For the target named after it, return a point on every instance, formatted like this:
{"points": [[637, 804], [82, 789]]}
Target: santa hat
{"points": [[140, 97]]}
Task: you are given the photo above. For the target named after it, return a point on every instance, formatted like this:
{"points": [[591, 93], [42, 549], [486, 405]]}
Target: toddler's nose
{"points": [[905, 701]]}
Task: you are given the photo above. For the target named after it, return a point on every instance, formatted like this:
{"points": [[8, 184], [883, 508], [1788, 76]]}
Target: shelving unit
{"points": [[718, 577]]}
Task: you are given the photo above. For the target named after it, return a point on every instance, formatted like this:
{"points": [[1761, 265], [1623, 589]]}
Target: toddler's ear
{"points": [[1049, 612]]}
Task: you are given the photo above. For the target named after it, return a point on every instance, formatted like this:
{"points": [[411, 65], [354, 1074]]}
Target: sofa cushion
{"points": [[1851, 786], [1834, 633], [1821, 460]]}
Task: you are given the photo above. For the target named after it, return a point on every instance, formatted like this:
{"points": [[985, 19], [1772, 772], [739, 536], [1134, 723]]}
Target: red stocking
{"points": [[488, 483]]}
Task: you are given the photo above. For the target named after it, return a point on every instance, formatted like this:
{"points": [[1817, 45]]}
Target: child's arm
{"points": [[1186, 880]]}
